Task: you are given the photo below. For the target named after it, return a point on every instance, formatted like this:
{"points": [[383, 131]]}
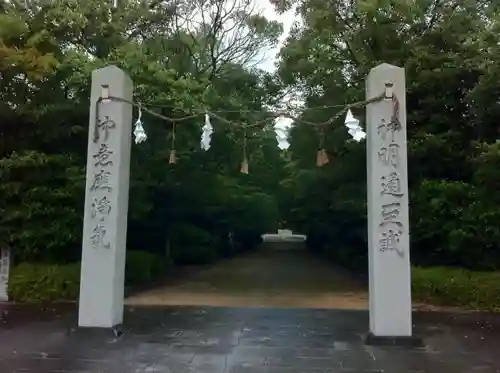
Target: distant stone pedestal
{"points": [[285, 232], [388, 222], [106, 200]]}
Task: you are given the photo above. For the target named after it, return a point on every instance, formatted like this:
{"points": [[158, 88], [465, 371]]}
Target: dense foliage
{"points": [[450, 50], [188, 210]]}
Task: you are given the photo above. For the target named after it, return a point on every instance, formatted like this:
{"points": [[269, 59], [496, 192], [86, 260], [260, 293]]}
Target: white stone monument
{"points": [[4, 274], [388, 222], [106, 200]]}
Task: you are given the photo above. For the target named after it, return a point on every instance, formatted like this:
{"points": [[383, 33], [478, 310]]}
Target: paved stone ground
{"points": [[245, 340], [293, 329]]}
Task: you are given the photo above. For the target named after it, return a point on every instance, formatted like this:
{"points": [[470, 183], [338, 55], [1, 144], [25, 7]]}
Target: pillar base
{"points": [[411, 341], [115, 332]]}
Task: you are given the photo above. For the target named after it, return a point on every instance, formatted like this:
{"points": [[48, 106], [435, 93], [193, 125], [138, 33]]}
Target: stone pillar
{"points": [[388, 223], [4, 274], [106, 200]]}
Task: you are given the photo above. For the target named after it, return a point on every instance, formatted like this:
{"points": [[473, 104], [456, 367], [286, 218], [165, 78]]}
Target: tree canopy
{"points": [[449, 50], [181, 58]]}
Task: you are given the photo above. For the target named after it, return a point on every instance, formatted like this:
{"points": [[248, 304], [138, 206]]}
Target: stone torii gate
{"points": [[107, 193]]}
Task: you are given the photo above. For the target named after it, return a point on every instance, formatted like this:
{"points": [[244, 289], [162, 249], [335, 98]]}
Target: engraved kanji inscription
{"points": [[97, 237], [390, 214], [384, 128], [389, 241], [101, 181], [104, 126], [102, 157], [391, 185], [101, 206], [389, 155]]}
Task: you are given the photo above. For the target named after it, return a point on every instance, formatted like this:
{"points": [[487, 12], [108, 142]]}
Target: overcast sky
{"points": [[286, 19]]}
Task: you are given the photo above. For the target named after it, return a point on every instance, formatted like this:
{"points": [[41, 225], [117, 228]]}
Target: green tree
{"points": [[449, 50], [48, 50]]}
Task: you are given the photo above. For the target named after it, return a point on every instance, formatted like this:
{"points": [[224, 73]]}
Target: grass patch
{"points": [[457, 287]]}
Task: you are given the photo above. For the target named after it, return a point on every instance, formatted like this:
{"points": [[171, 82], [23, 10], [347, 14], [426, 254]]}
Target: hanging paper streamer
{"points": [[350, 121], [206, 135], [354, 129], [139, 133], [357, 135], [281, 126]]}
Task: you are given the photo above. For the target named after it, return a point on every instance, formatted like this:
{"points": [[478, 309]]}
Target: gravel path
{"points": [[267, 278]]}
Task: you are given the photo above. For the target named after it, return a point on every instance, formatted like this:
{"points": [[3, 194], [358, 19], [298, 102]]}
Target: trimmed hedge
{"points": [[39, 283], [457, 287]]}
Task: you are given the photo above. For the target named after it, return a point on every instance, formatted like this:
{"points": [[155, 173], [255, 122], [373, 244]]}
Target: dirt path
{"points": [[289, 279]]}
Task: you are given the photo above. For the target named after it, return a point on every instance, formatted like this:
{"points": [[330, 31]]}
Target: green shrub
{"points": [[192, 245], [143, 267], [457, 287], [194, 255], [39, 283], [36, 283], [439, 233]]}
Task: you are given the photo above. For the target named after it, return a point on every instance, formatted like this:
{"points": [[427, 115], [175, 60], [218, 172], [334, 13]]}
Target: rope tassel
{"points": [[172, 158], [321, 155], [322, 158], [244, 163], [244, 166]]}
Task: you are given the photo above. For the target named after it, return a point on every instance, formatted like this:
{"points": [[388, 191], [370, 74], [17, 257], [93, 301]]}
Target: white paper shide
{"points": [[139, 132], [281, 127], [353, 127], [206, 134]]}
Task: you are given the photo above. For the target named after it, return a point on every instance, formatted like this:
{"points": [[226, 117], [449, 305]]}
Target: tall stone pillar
{"points": [[4, 273], [388, 222], [106, 200]]}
